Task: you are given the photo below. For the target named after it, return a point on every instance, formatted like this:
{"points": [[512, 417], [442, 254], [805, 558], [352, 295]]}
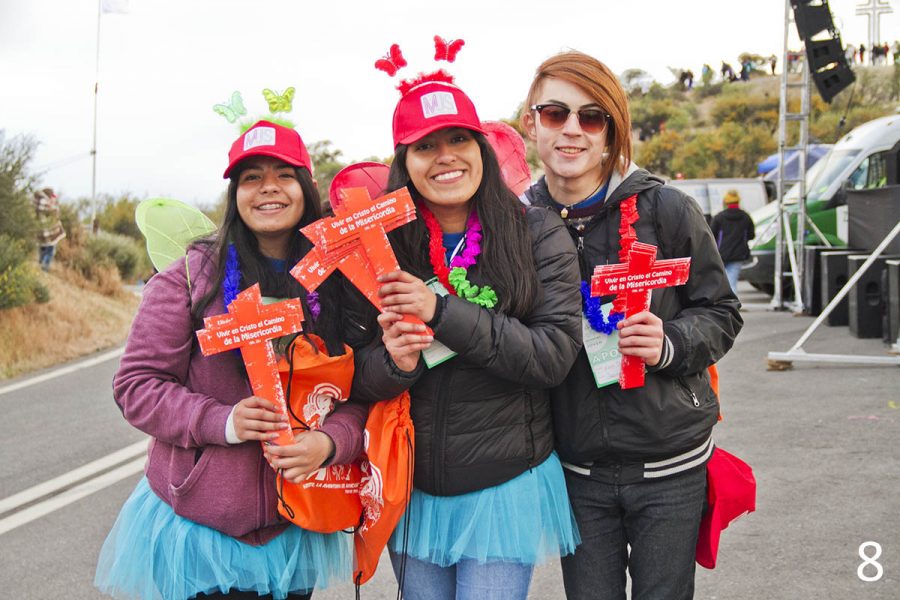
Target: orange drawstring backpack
{"points": [[714, 384], [387, 481], [327, 500]]}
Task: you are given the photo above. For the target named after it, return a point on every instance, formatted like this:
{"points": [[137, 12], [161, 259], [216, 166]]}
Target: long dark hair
{"points": [[506, 262], [256, 268]]}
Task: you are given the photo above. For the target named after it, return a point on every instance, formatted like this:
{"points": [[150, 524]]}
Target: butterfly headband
{"points": [[393, 61], [279, 104]]}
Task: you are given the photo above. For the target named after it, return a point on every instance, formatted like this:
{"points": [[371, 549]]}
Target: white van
{"points": [[866, 158], [709, 193]]}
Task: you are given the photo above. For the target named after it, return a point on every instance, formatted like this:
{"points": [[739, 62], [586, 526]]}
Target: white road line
{"points": [[69, 496], [88, 470], [63, 371]]}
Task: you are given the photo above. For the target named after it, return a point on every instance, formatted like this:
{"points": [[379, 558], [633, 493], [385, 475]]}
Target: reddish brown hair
{"points": [[597, 81]]}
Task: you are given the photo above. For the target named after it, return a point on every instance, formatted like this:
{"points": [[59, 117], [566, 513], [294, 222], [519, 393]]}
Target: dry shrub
{"points": [[73, 323], [103, 279]]}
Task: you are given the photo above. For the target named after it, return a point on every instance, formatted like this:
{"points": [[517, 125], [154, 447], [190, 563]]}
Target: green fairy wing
{"points": [[169, 226]]}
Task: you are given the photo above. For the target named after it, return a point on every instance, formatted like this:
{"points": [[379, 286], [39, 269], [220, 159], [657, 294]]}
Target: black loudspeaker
{"points": [[865, 303], [892, 301], [811, 19], [831, 81], [822, 53], [834, 276], [827, 64], [812, 279]]}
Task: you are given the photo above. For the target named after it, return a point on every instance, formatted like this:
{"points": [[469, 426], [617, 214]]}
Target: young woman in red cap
{"points": [[202, 523], [634, 459], [497, 284]]}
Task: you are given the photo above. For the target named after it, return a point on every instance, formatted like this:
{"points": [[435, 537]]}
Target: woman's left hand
{"points": [[407, 294], [642, 335], [312, 448]]}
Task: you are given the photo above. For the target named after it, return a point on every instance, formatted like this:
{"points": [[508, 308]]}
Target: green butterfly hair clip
{"points": [[279, 103], [232, 109]]}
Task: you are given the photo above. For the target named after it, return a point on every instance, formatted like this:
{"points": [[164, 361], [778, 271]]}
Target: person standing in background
{"points": [[733, 228], [50, 230]]}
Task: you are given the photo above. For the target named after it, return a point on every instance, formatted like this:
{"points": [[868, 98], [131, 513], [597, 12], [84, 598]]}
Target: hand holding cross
{"points": [[633, 282]]}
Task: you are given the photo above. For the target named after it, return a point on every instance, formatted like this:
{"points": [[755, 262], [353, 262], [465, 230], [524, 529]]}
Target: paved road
{"points": [[823, 441]]}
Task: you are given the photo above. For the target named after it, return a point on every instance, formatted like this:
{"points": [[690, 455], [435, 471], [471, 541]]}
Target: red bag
{"points": [[387, 481], [731, 493], [327, 500]]}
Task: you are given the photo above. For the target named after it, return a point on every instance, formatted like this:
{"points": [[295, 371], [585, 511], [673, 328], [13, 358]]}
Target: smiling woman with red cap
{"points": [[501, 299], [203, 523]]}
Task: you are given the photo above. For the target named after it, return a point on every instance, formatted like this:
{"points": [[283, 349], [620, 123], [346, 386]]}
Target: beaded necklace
{"points": [[591, 305], [454, 277]]}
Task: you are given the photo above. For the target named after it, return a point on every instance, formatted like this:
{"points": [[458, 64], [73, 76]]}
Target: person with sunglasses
{"points": [[203, 521], [497, 285], [634, 459]]}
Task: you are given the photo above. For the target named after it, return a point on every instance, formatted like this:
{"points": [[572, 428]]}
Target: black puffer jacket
{"points": [[631, 435], [483, 417], [732, 228]]}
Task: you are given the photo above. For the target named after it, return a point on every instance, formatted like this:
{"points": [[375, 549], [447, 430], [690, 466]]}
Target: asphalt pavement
{"points": [[822, 440]]}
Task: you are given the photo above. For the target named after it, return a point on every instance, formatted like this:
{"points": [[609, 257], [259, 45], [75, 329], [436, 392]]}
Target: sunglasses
{"points": [[554, 116]]}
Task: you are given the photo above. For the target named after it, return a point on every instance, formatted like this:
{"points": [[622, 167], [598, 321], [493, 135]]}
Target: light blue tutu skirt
{"points": [[525, 520], [153, 554]]}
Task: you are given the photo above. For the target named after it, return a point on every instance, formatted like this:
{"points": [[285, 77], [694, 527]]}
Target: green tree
{"points": [[17, 218], [747, 109], [116, 215], [326, 164], [657, 154], [636, 82], [18, 227], [732, 150], [651, 115]]}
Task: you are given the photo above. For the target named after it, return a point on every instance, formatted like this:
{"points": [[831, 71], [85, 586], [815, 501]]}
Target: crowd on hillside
{"points": [[878, 54]]}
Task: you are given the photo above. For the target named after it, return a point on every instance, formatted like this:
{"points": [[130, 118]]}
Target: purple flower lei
{"points": [[594, 313], [470, 253], [312, 300], [232, 284]]}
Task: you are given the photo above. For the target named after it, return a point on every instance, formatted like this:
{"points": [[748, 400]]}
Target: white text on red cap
{"points": [[435, 104], [261, 136]]}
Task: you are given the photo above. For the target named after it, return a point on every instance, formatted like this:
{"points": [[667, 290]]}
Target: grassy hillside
{"points": [[726, 129], [77, 320]]}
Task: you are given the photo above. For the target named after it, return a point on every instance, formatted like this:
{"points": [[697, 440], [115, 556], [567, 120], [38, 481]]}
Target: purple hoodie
{"points": [[167, 389]]}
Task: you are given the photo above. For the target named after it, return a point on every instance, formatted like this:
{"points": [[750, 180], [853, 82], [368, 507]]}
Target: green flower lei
{"points": [[483, 296]]}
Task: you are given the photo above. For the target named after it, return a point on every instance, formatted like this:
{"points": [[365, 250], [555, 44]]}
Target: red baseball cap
{"points": [[509, 147], [731, 493], [269, 139], [370, 175], [430, 106]]}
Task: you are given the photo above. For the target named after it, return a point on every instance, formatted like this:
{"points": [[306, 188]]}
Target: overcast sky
{"points": [[164, 65]]}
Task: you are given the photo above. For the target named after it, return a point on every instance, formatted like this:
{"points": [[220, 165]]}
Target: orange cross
{"points": [[355, 241], [250, 325]]}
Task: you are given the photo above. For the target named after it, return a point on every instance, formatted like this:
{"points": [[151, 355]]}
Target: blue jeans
{"points": [[46, 256], [733, 270], [659, 519], [465, 580]]}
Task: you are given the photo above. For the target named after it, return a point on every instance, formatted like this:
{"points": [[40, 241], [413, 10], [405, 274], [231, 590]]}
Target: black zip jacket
{"points": [[663, 428], [482, 417]]}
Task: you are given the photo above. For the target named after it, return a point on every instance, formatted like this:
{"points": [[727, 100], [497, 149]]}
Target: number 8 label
{"points": [[870, 560]]}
